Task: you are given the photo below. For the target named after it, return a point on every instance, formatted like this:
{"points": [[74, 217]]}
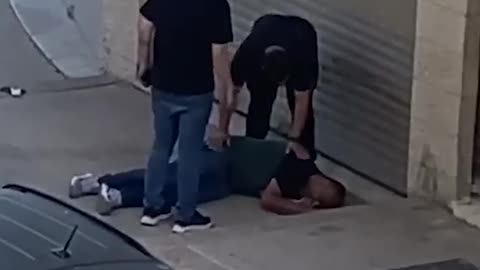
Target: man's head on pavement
{"points": [[275, 64], [327, 193]]}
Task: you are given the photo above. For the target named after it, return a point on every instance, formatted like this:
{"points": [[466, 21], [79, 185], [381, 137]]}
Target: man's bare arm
{"points": [[302, 105], [225, 95], [151, 50], [146, 31], [272, 201], [238, 68]]}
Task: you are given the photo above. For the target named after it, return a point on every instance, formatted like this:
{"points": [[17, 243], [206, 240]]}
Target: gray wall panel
{"points": [[363, 100]]}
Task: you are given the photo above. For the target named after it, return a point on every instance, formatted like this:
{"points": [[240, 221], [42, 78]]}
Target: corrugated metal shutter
{"points": [[363, 100], [476, 151], [476, 159]]}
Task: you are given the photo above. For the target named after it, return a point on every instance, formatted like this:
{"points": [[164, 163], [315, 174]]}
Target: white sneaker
{"points": [[76, 187], [152, 217], [105, 205], [197, 223]]}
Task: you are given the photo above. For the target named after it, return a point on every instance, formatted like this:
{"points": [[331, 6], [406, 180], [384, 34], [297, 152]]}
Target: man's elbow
{"points": [[266, 204]]}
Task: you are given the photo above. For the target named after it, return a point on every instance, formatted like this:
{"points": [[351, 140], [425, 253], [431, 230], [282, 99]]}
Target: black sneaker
{"points": [[198, 222], [152, 216]]}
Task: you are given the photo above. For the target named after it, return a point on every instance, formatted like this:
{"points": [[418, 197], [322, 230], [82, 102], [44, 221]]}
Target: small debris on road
{"points": [[15, 92]]}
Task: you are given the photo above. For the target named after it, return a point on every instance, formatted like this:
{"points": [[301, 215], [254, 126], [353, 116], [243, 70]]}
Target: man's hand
{"points": [[217, 139], [141, 70], [300, 151], [144, 75], [305, 203]]}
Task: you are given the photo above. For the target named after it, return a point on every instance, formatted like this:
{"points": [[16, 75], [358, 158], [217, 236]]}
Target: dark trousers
{"points": [[184, 118], [262, 97], [213, 185]]}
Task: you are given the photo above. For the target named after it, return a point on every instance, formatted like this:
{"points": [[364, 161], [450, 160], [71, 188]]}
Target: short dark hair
{"points": [[275, 64]]}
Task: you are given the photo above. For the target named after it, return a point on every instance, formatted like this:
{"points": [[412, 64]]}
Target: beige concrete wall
{"points": [[444, 99], [120, 39]]}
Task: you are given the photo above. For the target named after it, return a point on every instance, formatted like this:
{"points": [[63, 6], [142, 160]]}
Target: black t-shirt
{"points": [[295, 34], [185, 32], [293, 175]]}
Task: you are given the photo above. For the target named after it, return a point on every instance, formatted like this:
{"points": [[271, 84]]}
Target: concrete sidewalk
{"points": [[49, 136]]}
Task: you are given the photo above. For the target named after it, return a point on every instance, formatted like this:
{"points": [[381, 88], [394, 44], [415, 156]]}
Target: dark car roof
{"points": [[32, 225]]}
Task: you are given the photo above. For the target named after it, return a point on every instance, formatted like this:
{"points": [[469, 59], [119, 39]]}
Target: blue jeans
{"points": [[214, 183], [184, 118]]}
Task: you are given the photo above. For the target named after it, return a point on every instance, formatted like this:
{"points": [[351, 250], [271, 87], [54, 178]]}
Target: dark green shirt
{"points": [[253, 164]]}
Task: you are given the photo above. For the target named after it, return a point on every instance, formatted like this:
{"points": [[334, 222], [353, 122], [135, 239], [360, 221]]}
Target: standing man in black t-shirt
{"points": [[280, 50], [190, 38]]}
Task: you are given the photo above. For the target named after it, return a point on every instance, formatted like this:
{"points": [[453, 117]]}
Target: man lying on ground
{"points": [[286, 185], [126, 189]]}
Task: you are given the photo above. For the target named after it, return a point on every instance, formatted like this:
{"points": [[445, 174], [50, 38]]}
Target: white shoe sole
{"points": [[181, 229], [151, 222]]}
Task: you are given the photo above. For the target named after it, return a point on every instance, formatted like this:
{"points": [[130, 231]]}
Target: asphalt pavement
{"points": [[21, 64]]}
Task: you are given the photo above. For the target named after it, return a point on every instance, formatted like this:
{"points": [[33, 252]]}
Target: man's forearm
{"points": [[143, 54], [302, 104], [145, 36], [227, 108], [284, 207], [224, 104], [151, 50], [225, 87]]}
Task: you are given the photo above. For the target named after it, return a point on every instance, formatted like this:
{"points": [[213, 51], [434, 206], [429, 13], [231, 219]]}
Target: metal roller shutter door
{"points": [[476, 160], [363, 99], [476, 151]]}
